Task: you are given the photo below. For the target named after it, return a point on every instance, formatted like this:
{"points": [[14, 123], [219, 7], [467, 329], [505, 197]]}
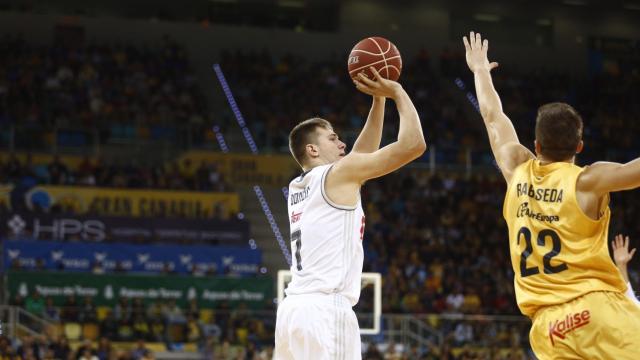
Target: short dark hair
{"points": [[558, 131], [302, 134]]}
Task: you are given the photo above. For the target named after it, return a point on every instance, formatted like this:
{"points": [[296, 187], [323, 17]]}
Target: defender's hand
{"points": [[621, 253], [476, 53]]}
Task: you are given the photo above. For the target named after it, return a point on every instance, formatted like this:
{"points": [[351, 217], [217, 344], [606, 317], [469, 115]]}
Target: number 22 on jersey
{"points": [[525, 234]]}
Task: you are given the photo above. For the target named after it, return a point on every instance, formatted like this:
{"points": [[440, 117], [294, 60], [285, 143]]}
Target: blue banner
{"points": [[61, 227], [96, 257]]}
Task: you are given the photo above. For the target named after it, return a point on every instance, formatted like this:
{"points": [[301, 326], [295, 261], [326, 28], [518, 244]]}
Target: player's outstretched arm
{"points": [[358, 167], [506, 147], [371, 134], [604, 177]]}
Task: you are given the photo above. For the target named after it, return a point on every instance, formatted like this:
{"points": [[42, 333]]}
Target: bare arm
{"points": [[358, 167], [605, 177], [506, 147], [369, 139]]}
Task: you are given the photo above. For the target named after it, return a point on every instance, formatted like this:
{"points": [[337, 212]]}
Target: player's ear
{"points": [[536, 145], [312, 150], [580, 147]]}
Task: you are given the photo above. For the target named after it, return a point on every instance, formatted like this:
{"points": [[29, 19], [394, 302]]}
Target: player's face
{"points": [[330, 148]]}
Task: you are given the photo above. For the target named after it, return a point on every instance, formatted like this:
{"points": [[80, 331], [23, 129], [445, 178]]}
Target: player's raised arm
{"points": [[506, 147], [371, 134], [359, 167]]}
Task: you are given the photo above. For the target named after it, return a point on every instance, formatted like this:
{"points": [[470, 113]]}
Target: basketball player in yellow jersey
{"points": [[558, 219]]}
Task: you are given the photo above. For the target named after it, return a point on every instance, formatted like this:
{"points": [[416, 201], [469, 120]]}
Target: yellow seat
{"points": [[242, 335], [176, 332], [190, 347], [90, 331], [72, 331], [54, 331], [75, 345], [206, 315], [156, 346], [102, 312], [433, 320]]}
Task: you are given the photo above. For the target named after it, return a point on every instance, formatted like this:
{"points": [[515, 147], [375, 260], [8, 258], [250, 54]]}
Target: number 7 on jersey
{"points": [[296, 238]]}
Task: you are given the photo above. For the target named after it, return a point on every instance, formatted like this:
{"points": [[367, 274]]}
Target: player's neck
{"points": [[314, 163], [545, 161]]}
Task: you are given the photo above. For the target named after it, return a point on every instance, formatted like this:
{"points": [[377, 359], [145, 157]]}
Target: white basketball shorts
{"points": [[317, 327]]}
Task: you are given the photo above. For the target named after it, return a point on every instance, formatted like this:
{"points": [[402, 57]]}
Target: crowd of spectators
{"points": [[121, 91], [217, 333], [227, 333], [102, 173], [45, 347], [141, 92], [449, 252]]}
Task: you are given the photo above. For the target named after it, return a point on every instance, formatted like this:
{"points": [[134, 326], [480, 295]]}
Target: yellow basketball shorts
{"points": [[597, 325]]}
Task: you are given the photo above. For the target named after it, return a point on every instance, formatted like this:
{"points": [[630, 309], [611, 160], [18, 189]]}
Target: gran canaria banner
{"points": [[256, 293], [134, 203]]}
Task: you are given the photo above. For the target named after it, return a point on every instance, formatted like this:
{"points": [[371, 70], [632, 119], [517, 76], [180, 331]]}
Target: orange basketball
{"points": [[377, 52]]}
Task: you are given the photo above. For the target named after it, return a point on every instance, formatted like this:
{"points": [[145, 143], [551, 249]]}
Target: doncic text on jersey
{"points": [[300, 196]]}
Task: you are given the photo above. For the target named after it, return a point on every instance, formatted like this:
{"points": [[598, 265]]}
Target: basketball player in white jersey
{"points": [[316, 319]]}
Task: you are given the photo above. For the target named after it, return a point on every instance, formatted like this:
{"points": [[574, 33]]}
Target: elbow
{"points": [[418, 147]]}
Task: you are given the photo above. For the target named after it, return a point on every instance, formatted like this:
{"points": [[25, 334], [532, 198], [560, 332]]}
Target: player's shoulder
{"points": [[308, 175], [349, 162], [511, 156], [590, 175]]}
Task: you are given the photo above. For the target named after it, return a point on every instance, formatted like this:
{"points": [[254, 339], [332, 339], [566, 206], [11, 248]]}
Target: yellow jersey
{"points": [[558, 253]]}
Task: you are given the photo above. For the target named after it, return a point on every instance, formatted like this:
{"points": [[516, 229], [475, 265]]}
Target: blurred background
{"points": [[144, 165]]}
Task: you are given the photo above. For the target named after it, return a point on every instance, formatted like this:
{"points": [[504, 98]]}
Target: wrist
{"points": [[397, 92]]}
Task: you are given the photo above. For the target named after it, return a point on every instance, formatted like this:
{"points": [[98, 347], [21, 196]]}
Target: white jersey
{"points": [[326, 239]]}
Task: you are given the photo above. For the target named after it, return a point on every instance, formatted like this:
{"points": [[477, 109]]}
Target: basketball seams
{"points": [[375, 63], [394, 68], [389, 48], [382, 53], [366, 52], [372, 53]]}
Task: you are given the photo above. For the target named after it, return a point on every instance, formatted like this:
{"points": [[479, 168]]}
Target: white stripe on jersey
{"points": [[326, 239]]}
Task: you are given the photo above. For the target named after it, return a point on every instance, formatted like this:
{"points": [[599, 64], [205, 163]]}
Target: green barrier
{"points": [[106, 290]]}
